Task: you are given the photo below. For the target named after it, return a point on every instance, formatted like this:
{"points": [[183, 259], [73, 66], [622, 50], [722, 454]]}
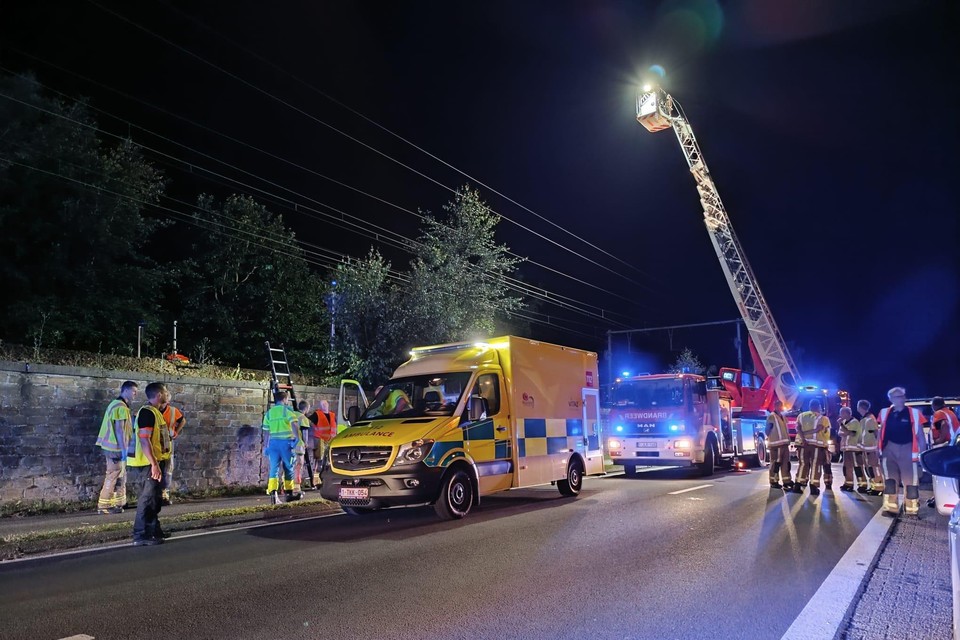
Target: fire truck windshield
{"points": [[648, 393]]}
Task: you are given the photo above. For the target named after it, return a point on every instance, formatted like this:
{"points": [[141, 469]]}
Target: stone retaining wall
{"points": [[50, 416]]}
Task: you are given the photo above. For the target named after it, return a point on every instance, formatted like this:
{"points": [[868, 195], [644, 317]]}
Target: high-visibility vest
{"points": [[869, 433], [952, 424], [117, 410], [850, 432], [159, 436], [777, 432], [813, 429], [916, 424], [326, 425], [173, 417], [281, 423]]}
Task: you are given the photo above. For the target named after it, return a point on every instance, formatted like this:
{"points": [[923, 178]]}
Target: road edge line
{"points": [[828, 609]]}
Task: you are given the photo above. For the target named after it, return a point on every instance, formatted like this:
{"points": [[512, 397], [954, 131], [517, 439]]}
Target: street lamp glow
{"points": [[647, 87]]}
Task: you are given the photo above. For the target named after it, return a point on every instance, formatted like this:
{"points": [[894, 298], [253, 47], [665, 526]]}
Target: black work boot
{"points": [[292, 497]]}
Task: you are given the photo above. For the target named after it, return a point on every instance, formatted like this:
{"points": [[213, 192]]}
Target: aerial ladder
{"points": [[656, 111]]}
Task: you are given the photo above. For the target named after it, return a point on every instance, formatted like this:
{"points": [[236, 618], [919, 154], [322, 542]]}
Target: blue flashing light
{"points": [[619, 427], [626, 374], [674, 427]]}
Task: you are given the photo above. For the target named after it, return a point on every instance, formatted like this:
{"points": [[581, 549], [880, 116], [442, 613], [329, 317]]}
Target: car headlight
{"points": [[413, 452]]}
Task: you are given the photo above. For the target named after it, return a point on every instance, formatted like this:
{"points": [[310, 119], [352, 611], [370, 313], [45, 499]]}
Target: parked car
{"points": [[944, 462]]}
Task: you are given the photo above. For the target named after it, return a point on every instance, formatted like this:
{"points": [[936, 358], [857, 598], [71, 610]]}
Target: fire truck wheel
{"points": [[708, 466], [456, 496], [630, 470], [571, 485], [760, 460]]}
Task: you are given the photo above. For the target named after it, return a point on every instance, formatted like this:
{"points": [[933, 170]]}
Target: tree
{"points": [[74, 262], [246, 280], [457, 286], [687, 362], [369, 311]]}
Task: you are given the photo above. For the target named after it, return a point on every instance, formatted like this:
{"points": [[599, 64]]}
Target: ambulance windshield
{"points": [[418, 396], [644, 394]]}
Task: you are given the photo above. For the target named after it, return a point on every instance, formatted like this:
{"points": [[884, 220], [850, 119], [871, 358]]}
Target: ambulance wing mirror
{"points": [[942, 461], [476, 408], [353, 414]]}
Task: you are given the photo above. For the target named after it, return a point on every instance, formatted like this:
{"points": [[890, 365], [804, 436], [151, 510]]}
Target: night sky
{"points": [[830, 129]]}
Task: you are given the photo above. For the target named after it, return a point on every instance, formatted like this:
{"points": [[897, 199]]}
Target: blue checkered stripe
{"points": [[546, 436]]}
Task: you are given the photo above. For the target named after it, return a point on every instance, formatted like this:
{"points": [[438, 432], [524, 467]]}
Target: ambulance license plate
{"points": [[354, 492], [645, 444]]}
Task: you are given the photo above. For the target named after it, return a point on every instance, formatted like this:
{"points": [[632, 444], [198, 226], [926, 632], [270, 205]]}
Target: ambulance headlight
{"points": [[413, 452]]}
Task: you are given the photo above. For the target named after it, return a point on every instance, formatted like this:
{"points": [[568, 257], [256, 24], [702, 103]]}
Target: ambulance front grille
{"points": [[355, 502], [360, 458]]}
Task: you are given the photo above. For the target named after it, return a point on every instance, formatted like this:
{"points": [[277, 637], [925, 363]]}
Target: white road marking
{"points": [[676, 493], [828, 607], [81, 636], [179, 536]]}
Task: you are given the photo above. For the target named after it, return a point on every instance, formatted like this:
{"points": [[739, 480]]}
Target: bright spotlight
{"points": [[647, 88]]}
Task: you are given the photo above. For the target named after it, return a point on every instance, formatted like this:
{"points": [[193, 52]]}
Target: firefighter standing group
{"points": [[879, 453]]}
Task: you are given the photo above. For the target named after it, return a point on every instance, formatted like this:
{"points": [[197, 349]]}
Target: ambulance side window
{"points": [[488, 388]]}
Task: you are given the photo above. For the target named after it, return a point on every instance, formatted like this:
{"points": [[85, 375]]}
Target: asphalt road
{"points": [[627, 559]]}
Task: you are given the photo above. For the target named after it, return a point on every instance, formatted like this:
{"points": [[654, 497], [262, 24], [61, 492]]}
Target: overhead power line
{"points": [[354, 139], [131, 125]]}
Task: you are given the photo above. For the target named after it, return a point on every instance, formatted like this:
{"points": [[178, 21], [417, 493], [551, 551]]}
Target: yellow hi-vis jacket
{"points": [[776, 430], [813, 429], [159, 435], [850, 435], [109, 439], [870, 433]]}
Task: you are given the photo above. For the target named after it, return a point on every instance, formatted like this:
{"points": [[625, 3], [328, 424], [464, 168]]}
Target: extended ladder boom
{"points": [[656, 111]]}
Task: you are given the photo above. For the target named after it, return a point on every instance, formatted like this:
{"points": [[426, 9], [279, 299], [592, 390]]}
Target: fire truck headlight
{"points": [[683, 444], [613, 444]]}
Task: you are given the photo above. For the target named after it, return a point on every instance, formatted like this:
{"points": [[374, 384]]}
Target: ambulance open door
{"points": [[351, 395], [593, 451]]}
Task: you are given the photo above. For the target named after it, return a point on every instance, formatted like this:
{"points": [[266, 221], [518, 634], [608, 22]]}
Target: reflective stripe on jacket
{"points": [[159, 435], [813, 429], [776, 430], [916, 423], [869, 432], [850, 432], [281, 423]]}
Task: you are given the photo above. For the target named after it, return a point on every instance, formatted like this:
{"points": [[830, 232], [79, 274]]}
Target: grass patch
{"points": [[22, 508], [21, 544]]}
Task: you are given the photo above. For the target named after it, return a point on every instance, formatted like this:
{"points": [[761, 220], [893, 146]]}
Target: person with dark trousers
{"points": [[148, 466]]}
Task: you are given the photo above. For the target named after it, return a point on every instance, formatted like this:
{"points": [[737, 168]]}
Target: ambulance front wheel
{"points": [[456, 496], [571, 485]]}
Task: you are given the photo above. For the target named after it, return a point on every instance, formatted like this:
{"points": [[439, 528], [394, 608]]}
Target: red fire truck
{"points": [[686, 419]]}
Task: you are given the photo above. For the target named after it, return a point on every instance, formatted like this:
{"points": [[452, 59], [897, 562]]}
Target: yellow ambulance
{"points": [[460, 421]]}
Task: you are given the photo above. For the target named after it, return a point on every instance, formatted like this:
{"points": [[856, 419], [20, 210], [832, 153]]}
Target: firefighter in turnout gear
{"points": [[850, 431], [869, 441], [778, 444], [945, 423], [901, 441], [282, 427], [813, 436]]}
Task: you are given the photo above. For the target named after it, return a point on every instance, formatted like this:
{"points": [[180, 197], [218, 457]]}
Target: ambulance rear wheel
{"points": [[456, 496], [571, 485]]}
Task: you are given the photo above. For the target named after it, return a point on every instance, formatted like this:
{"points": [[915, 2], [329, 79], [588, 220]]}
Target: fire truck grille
{"points": [[360, 458]]}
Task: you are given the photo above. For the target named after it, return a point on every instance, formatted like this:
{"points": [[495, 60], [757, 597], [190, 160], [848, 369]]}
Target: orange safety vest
{"points": [[326, 425], [916, 422], [950, 417], [173, 415]]}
